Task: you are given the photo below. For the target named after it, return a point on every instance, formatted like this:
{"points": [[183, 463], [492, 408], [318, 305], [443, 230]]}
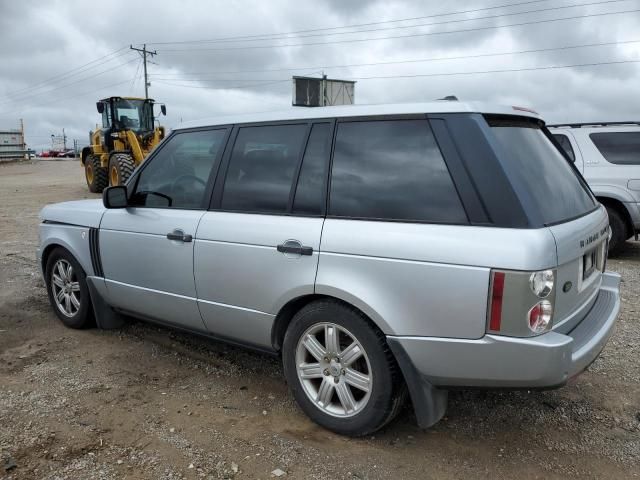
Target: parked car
{"points": [[67, 154], [608, 155], [376, 249], [45, 154]]}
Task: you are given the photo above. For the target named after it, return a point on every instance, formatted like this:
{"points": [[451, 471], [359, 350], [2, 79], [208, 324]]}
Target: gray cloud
{"points": [[39, 41]]}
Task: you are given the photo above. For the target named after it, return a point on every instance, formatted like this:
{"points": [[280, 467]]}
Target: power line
{"points": [[71, 97], [159, 76], [505, 70], [68, 73], [28, 96], [459, 12], [427, 34], [487, 17], [422, 75]]}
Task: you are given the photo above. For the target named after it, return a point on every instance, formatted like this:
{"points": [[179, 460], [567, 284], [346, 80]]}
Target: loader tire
{"points": [[121, 167], [95, 174]]}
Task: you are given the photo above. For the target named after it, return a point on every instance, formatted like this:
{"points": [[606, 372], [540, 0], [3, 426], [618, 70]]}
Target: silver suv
{"points": [[608, 156], [376, 249]]}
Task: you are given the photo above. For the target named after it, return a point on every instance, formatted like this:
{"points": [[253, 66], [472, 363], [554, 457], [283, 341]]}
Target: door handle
{"points": [[295, 247], [179, 236]]}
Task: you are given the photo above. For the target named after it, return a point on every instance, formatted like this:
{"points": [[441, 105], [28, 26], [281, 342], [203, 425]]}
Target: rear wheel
{"points": [[121, 167], [618, 231], [340, 369], [95, 174], [67, 288]]}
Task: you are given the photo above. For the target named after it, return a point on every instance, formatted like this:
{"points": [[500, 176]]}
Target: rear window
{"points": [[547, 184], [622, 148]]}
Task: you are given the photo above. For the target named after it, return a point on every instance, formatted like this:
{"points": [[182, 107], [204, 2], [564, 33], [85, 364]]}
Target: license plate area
{"points": [[589, 263]]}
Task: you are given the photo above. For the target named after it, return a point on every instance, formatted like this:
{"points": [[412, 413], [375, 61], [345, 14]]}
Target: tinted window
{"points": [[310, 189], [546, 182], [392, 170], [177, 176], [618, 147], [262, 167], [565, 143]]}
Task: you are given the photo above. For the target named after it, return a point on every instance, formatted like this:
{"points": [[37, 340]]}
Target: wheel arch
{"points": [[287, 312], [65, 238], [86, 151]]}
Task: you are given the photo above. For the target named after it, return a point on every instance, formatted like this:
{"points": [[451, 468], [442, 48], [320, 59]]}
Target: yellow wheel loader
{"points": [[127, 136]]}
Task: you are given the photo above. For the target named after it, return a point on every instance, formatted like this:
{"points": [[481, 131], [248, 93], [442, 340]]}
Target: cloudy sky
{"points": [[571, 60]]}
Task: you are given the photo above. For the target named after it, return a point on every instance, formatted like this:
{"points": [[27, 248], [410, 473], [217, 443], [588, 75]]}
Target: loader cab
{"points": [[120, 114]]}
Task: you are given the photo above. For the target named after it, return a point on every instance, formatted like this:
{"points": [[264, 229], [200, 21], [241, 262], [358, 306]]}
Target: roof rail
{"points": [[593, 124]]}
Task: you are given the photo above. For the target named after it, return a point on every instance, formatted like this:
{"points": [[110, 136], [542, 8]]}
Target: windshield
{"points": [[549, 186], [134, 114]]}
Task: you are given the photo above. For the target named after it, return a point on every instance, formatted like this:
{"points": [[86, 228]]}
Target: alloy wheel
{"points": [[65, 288], [334, 370]]}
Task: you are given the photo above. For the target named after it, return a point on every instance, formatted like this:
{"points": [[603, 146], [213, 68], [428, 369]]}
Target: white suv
{"points": [[608, 155]]}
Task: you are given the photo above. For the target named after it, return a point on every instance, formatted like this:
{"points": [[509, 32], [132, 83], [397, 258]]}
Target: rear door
{"points": [[147, 249], [258, 246]]}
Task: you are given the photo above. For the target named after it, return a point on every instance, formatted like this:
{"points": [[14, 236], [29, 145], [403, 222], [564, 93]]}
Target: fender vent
{"points": [[94, 248]]}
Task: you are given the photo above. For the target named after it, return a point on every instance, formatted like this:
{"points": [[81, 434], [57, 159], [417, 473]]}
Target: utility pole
{"points": [[144, 53], [64, 141]]}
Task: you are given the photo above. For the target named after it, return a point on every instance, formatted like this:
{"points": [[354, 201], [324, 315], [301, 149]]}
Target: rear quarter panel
{"points": [[420, 279]]}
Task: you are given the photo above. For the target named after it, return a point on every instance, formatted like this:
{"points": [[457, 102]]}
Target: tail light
{"points": [[521, 303], [497, 291]]}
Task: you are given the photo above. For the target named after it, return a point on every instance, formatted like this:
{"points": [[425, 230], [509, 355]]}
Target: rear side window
{"points": [[622, 148], [262, 168], [547, 184], [392, 169], [565, 143]]}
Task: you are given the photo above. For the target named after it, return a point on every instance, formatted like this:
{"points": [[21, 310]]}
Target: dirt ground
{"points": [[146, 402]]}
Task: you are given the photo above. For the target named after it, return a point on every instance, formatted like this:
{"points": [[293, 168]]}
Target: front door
{"points": [[147, 249], [259, 248]]}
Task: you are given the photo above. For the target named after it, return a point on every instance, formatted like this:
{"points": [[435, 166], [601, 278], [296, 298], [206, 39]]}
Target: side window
{"points": [[392, 170], [622, 148], [177, 176], [262, 168], [565, 143], [310, 190]]}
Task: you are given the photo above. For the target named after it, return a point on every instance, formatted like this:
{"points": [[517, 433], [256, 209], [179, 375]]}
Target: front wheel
{"points": [[67, 289], [340, 369], [121, 167]]}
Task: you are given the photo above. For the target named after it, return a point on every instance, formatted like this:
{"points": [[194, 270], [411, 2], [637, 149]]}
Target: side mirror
{"points": [[163, 109], [115, 197], [100, 107]]}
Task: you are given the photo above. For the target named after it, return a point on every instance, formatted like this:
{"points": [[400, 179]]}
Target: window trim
{"points": [[216, 199], [375, 118], [132, 182]]}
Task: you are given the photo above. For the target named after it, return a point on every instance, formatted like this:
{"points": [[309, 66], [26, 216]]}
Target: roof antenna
{"points": [[450, 98]]}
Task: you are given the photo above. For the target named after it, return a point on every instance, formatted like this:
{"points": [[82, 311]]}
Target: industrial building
{"points": [[12, 144]]}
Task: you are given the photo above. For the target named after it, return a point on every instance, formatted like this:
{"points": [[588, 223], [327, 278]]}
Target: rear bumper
{"points": [[545, 361]]}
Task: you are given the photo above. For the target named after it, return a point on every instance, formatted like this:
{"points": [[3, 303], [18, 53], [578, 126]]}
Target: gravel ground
{"points": [[145, 402]]}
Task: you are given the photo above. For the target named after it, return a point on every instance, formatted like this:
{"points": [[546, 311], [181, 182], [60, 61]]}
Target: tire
{"points": [[121, 167], [95, 174], [331, 377], [62, 283], [618, 231]]}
